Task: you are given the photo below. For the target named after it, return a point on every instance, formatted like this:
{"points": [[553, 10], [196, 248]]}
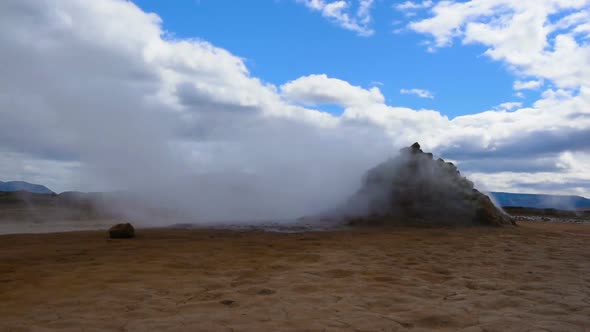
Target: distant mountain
{"points": [[538, 201], [541, 201], [13, 186]]}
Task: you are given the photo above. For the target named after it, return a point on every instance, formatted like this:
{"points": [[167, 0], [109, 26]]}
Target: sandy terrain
{"points": [[535, 277]]}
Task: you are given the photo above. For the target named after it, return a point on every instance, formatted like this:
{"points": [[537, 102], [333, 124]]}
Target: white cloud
{"points": [[418, 92], [540, 39], [320, 89], [538, 182], [364, 11], [339, 12], [93, 97], [524, 34], [527, 85], [508, 106], [413, 5], [519, 95], [16, 166]]}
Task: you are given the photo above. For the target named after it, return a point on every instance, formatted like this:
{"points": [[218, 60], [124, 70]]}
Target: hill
{"points": [[541, 201], [13, 186], [413, 188]]}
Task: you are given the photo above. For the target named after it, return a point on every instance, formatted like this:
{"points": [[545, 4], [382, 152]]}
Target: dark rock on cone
{"points": [[122, 231], [415, 189]]}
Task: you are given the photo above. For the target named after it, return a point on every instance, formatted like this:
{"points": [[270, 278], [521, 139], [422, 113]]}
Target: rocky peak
{"points": [[416, 189]]}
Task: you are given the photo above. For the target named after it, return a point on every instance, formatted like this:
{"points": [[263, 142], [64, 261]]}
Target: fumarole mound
{"points": [[413, 188]]}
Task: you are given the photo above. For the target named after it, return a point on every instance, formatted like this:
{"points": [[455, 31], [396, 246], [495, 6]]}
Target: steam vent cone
{"points": [[413, 188]]}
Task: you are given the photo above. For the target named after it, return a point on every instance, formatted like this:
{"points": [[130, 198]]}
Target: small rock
{"points": [[227, 302], [266, 291], [122, 231]]}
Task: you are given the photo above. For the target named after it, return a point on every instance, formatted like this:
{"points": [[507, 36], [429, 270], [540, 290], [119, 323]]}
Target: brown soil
{"points": [[530, 278]]}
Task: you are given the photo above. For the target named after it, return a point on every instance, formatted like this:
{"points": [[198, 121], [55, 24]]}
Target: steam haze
{"points": [[245, 175], [156, 119]]}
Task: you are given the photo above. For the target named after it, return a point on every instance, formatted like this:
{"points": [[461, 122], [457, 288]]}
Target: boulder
{"points": [[122, 231], [413, 188]]}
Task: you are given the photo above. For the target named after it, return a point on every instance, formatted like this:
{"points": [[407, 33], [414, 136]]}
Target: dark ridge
{"points": [[541, 201], [14, 186]]}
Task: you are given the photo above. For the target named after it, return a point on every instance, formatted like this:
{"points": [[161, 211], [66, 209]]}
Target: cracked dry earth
{"points": [[535, 277]]}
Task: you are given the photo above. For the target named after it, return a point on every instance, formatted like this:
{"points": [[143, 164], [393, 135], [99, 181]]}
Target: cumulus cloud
{"points": [[417, 92], [94, 98], [508, 106], [320, 89], [413, 5], [527, 85], [543, 40], [339, 12], [524, 34]]}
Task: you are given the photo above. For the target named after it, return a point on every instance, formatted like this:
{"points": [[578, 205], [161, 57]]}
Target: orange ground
{"points": [[530, 278]]}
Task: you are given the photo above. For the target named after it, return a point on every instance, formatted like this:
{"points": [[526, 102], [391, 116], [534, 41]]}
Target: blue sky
{"points": [[283, 40]]}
